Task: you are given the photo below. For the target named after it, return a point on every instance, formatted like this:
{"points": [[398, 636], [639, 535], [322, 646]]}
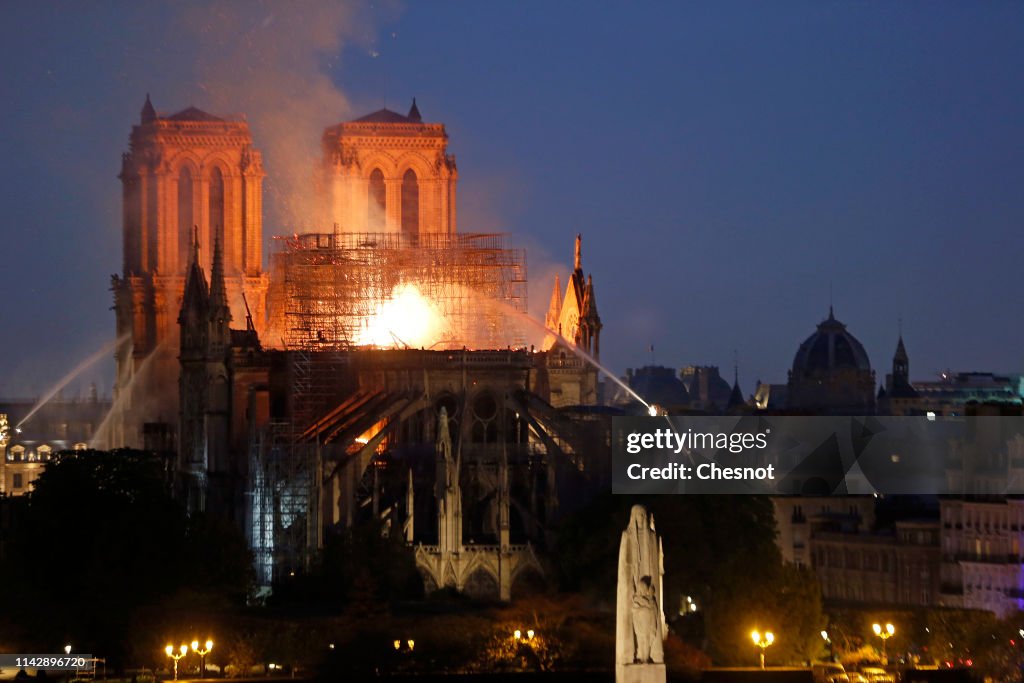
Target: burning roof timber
{"points": [[385, 290]]}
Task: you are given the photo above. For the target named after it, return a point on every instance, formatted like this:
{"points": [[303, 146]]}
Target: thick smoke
{"points": [[271, 62]]}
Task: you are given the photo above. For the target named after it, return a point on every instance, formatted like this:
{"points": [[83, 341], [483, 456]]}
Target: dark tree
{"points": [[102, 538]]}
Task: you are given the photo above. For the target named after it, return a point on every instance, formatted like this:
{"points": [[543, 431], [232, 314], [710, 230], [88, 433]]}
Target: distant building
{"points": [[897, 567], [899, 397], [770, 396], [982, 564], [26, 445], [950, 394], [831, 373], [657, 385], [707, 388], [798, 517]]}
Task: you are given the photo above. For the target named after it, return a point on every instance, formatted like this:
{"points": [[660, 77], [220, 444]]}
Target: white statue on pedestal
{"points": [[640, 626]]}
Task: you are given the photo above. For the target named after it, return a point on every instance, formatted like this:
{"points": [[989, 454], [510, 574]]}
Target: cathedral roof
{"points": [[831, 347], [387, 116], [193, 114]]}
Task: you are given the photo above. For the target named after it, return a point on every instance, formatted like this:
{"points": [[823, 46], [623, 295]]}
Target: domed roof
{"points": [[659, 385], [831, 347]]}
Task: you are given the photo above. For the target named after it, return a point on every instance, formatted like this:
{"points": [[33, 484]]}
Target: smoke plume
{"points": [[272, 63]]}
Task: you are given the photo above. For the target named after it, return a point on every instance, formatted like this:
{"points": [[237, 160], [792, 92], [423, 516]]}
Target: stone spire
{"points": [[414, 112], [736, 397], [220, 311], [590, 321], [590, 300], [901, 364], [555, 307], [196, 300], [148, 112], [218, 292]]}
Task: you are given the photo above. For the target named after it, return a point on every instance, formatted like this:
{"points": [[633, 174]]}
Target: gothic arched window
{"points": [[216, 209], [410, 205], [185, 218], [376, 209]]}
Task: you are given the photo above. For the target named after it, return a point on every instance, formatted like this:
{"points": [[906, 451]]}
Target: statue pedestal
{"points": [[642, 673]]}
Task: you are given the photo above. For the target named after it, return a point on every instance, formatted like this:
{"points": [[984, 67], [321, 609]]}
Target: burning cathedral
{"points": [[377, 369]]}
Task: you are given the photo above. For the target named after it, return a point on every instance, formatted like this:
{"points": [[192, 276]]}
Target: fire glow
{"points": [[406, 319]]}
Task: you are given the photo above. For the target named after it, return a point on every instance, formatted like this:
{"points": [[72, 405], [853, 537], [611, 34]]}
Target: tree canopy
{"points": [[102, 537]]}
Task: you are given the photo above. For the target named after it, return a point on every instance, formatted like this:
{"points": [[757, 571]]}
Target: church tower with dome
{"points": [[831, 373]]}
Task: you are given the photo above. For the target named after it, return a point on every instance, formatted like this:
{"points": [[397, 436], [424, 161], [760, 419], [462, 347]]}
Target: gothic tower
{"points": [[193, 386], [184, 173], [576, 314], [571, 380], [386, 172], [899, 397]]}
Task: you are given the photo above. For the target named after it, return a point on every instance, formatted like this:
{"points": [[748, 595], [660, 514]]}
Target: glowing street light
{"points": [[762, 642], [202, 655], [182, 651], [885, 633]]}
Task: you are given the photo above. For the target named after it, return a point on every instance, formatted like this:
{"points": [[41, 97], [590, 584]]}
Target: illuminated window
{"points": [[17, 453], [44, 452], [80, 446]]}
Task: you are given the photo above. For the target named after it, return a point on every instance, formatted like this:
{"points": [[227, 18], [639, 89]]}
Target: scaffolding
{"points": [[334, 282], [285, 524]]}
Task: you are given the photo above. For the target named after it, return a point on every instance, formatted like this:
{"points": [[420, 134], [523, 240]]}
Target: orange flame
{"points": [[406, 319]]}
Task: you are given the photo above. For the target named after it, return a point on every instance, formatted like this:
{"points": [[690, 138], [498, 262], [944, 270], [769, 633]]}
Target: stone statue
{"points": [[447, 490], [444, 446], [640, 619]]}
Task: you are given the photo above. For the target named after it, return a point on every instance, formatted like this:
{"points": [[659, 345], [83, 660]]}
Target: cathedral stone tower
{"points": [[386, 172], [184, 173], [204, 384]]}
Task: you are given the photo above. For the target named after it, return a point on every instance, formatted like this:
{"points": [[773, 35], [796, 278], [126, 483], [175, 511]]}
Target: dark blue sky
{"points": [[725, 162]]}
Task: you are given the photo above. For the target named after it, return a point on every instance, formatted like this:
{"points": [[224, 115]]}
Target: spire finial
{"points": [[899, 325], [195, 244], [579, 256], [148, 112], [735, 366]]}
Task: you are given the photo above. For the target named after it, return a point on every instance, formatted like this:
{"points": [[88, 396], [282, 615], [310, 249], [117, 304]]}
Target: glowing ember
{"points": [[406, 319]]}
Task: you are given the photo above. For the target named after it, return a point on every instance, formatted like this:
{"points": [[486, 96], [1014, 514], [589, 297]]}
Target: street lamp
{"points": [[202, 655], [67, 651], [885, 633], [182, 651], [762, 642]]}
